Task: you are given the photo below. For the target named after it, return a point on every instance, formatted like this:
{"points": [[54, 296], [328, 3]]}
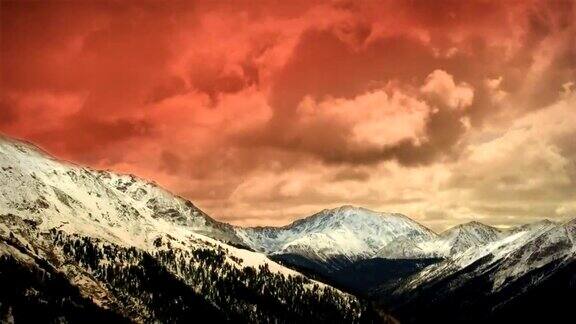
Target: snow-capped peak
{"points": [[347, 231], [515, 253], [468, 235], [545, 223], [454, 240]]}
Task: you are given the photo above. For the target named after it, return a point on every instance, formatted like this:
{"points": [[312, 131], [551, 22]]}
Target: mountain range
{"points": [[78, 245]]}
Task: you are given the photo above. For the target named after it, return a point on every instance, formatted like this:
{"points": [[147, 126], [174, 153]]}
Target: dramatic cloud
{"points": [[440, 85], [262, 112]]}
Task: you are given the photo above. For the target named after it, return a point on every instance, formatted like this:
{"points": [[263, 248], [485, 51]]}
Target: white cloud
{"points": [[440, 84], [519, 176], [374, 117]]}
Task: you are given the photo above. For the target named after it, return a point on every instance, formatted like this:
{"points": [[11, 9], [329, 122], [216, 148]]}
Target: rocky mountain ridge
{"points": [[115, 247], [79, 241]]}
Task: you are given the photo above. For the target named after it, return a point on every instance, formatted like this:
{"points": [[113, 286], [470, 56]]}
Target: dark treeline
{"points": [[173, 285], [30, 293]]}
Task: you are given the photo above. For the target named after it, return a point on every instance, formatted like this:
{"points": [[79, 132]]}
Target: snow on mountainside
{"points": [[121, 209], [445, 244], [64, 219], [557, 244], [545, 223], [470, 235], [110, 206], [528, 274], [357, 248], [357, 233], [350, 232], [530, 241], [126, 245]]}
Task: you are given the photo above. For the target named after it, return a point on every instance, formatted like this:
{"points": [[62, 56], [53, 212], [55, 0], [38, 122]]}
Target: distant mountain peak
{"points": [[470, 227], [347, 232], [474, 224], [544, 223]]}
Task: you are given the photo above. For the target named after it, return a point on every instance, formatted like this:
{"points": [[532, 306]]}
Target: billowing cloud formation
{"points": [[440, 85], [264, 112]]}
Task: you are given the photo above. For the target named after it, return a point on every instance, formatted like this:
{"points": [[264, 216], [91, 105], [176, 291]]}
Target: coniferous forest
{"points": [[56, 273]]}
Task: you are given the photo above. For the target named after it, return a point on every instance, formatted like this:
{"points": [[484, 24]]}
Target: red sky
{"points": [[266, 111]]}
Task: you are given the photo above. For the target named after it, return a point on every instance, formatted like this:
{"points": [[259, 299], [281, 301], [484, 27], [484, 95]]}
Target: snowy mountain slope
{"points": [[174, 282], [545, 223], [118, 208], [347, 232], [104, 234], [557, 244], [480, 283], [378, 253], [443, 245], [134, 249], [470, 235], [495, 250]]}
